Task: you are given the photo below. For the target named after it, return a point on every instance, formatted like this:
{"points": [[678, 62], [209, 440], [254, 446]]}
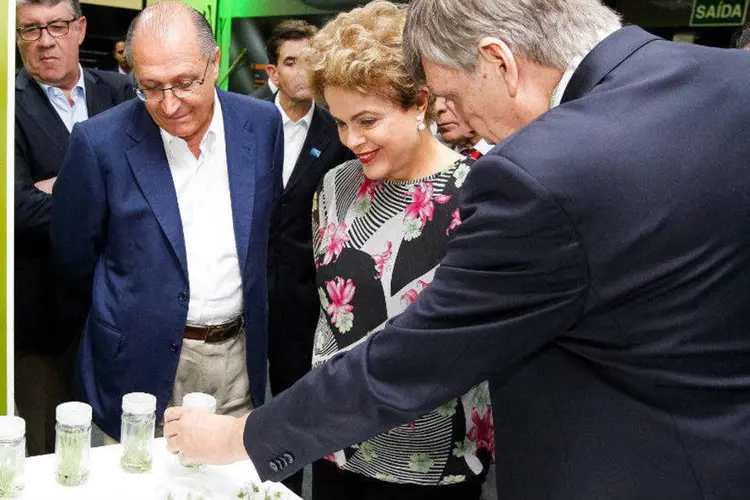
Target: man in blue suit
{"points": [[600, 278], [166, 200]]}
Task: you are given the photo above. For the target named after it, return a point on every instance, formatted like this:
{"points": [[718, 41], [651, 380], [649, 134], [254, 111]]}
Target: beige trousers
{"points": [[218, 369]]}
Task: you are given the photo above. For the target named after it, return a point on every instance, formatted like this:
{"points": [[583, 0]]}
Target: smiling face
{"points": [[51, 60], [382, 134], [171, 59]]}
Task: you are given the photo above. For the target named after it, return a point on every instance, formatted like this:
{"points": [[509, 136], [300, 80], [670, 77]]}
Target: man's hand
{"points": [[45, 185], [204, 438]]}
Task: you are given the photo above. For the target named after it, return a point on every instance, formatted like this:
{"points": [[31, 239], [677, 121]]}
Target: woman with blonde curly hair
{"points": [[381, 224]]}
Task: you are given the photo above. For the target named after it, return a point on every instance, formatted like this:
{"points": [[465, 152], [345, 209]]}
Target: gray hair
{"points": [[548, 32], [73, 5], [162, 16]]}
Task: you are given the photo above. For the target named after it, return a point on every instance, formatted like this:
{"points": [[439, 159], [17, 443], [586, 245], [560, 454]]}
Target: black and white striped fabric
{"points": [[377, 245]]}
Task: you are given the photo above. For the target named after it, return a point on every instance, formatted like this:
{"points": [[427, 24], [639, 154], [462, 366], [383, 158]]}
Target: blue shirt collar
{"points": [[79, 88]]}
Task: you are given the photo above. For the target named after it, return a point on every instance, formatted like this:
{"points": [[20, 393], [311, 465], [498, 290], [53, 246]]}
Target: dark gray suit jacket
{"points": [[291, 267], [600, 280], [43, 313]]}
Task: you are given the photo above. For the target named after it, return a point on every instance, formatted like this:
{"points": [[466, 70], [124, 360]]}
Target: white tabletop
{"points": [[108, 481]]}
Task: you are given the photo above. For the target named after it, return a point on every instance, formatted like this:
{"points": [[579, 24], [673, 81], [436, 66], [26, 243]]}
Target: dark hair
{"points": [[73, 5], [291, 29], [744, 38]]}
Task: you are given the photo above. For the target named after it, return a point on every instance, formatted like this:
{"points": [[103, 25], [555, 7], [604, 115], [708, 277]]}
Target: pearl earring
{"points": [[421, 125]]}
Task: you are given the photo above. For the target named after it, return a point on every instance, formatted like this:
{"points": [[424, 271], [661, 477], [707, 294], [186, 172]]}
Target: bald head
{"points": [[169, 23], [175, 59]]}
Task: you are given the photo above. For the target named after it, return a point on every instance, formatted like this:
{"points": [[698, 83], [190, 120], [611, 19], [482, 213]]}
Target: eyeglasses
{"points": [[181, 91], [55, 29]]}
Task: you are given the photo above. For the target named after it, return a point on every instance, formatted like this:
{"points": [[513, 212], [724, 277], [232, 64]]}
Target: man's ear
{"points": [[81, 29], [495, 56], [273, 75]]}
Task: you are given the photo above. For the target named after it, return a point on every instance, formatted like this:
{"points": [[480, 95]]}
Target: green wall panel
{"points": [[5, 96]]}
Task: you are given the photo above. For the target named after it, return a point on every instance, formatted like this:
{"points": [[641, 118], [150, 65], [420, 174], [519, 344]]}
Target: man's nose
{"points": [[46, 40], [170, 103]]}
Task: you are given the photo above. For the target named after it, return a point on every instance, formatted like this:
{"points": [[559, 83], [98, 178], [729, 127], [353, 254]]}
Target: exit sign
{"points": [[718, 12]]}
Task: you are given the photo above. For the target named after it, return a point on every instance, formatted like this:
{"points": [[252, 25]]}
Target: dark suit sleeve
{"points": [[32, 206], [79, 210], [513, 279]]}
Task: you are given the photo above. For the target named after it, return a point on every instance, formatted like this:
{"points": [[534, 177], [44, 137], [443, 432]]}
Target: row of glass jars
{"points": [[73, 440]]}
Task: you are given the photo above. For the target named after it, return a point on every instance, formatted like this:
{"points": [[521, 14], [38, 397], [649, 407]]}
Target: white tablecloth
{"points": [[107, 480]]}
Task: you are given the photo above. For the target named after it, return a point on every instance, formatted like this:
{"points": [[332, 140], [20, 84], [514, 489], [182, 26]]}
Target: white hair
{"points": [[548, 32]]}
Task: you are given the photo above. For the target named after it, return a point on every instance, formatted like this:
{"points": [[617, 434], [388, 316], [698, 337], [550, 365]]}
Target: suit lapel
{"points": [[242, 170], [33, 101], [317, 139], [148, 162], [607, 55], [97, 96]]}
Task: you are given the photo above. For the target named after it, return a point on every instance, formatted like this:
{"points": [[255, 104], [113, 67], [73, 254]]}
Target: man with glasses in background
{"points": [[53, 92], [167, 202]]}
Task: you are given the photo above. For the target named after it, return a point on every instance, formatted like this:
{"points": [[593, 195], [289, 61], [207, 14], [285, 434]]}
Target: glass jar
{"points": [[12, 456], [72, 443], [200, 401], [137, 431]]}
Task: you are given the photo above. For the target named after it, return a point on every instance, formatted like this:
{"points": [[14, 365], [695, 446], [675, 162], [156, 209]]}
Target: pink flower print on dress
{"points": [[421, 208], [482, 433], [366, 194], [341, 293], [334, 238], [455, 222], [409, 297], [381, 258], [412, 294]]}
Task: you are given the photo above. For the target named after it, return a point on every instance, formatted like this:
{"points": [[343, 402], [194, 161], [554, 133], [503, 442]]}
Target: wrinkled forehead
{"points": [[42, 14]]}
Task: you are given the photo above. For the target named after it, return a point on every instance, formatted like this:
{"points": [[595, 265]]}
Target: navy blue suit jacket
{"points": [[600, 280], [115, 215]]}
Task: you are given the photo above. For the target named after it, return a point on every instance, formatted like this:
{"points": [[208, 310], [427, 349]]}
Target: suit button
{"points": [[182, 296], [273, 466], [288, 458], [174, 347]]}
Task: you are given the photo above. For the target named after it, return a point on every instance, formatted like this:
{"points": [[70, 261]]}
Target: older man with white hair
{"points": [[600, 278]]}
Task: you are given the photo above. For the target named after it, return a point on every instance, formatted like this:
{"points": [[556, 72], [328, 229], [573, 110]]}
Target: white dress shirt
{"points": [[70, 115], [202, 187], [295, 134]]}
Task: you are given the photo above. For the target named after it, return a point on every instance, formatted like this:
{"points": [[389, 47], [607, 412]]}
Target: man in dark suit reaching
{"points": [[53, 92], [311, 148], [600, 278]]}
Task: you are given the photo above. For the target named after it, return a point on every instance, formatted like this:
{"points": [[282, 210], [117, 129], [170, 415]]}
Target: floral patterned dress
{"points": [[377, 244]]}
